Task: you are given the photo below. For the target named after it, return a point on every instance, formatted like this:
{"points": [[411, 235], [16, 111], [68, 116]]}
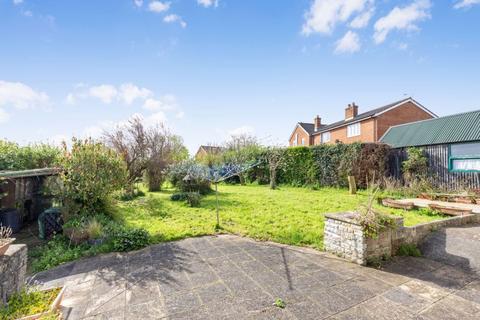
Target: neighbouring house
{"points": [[451, 144], [205, 151], [359, 127]]}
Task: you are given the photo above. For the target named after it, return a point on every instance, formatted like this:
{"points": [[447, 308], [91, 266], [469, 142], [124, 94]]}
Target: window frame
{"points": [[329, 137], [359, 129], [452, 158]]}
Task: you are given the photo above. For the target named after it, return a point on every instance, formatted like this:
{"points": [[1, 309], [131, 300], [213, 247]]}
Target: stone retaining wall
{"points": [[344, 236], [13, 268]]}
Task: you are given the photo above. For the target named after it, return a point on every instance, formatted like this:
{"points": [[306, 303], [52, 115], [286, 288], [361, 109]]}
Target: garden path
{"points": [[229, 277]]}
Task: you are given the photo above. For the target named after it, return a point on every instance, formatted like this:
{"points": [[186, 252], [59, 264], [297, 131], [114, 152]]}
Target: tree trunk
{"points": [[352, 186], [242, 179], [273, 179]]}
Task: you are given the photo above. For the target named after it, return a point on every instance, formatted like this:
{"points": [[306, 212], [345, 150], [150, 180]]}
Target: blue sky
{"points": [[211, 68]]}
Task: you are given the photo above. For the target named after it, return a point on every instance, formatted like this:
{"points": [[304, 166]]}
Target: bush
{"points": [[29, 302], [130, 239], [91, 173], [409, 250], [188, 176], [180, 196], [193, 199], [14, 157]]}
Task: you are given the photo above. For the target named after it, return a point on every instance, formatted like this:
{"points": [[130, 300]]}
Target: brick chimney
{"points": [[351, 111], [317, 122]]}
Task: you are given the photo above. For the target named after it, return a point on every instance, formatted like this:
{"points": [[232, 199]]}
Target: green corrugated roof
{"points": [[460, 127]]}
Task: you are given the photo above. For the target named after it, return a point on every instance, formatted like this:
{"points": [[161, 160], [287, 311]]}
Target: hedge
{"points": [[327, 165]]}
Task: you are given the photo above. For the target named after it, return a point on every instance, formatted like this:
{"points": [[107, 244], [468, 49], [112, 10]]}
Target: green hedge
{"points": [[326, 165], [15, 157]]}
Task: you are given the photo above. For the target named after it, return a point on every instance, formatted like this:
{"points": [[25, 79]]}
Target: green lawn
{"points": [[287, 215]]}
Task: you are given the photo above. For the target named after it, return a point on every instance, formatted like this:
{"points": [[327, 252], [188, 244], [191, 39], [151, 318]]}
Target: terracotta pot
{"points": [[4, 245]]}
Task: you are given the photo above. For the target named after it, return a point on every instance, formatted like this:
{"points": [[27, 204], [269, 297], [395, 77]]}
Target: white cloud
{"points": [[129, 92], [158, 6], [17, 2], [167, 102], [27, 13], [362, 20], [466, 4], [171, 18], [208, 3], [138, 3], [180, 115], [405, 18], [349, 43], [105, 92], [242, 130], [4, 116], [21, 96], [324, 15]]}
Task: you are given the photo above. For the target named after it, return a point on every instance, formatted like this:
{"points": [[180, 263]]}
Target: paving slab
{"points": [[230, 277]]}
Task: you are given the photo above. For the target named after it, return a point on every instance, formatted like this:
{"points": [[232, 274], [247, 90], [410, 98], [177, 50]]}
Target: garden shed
{"points": [[451, 144], [21, 195]]}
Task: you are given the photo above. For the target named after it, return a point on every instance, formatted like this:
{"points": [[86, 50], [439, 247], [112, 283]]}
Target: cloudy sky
{"points": [[209, 68]]}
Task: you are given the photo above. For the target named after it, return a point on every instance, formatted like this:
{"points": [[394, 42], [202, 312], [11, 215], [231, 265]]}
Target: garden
{"points": [[136, 186]]}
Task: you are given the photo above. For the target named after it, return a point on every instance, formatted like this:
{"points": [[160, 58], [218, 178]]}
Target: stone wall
{"points": [[344, 236], [13, 268]]}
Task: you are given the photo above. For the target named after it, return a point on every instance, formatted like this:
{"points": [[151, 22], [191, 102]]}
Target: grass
{"points": [[288, 215]]}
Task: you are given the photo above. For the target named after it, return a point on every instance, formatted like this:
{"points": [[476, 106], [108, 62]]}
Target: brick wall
{"points": [[367, 134], [301, 134], [408, 112]]}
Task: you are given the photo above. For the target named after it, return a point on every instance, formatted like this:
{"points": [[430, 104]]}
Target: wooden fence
{"points": [[439, 173]]}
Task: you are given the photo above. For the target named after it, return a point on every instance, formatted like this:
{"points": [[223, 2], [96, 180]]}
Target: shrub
{"points": [[130, 239], [180, 196], [409, 250], [14, 157], [94, 229], [193, 199], [29, 302], [416, 166], [91, 173], [188, 176]]}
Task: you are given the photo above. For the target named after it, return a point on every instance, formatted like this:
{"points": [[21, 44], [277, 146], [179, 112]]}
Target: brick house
{"points": [[364, 127], [204, 151]]}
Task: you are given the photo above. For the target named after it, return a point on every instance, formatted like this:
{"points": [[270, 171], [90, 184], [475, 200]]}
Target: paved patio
{"points": [[229, 277]]}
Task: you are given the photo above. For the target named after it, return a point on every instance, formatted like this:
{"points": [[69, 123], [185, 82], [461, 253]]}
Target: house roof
{"points": [[462, 127], [211, 149], [371, 113]]}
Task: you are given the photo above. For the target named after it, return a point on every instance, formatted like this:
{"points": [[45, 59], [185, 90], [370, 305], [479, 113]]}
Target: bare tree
{"points": [[241, 149], [164, 148], [130, 141]]}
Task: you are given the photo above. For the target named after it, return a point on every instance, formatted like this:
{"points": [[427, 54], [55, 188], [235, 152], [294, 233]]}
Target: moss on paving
{"points": [[287, 215]]}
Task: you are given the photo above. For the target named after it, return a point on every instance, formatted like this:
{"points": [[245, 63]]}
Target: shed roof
{"points": [[29, 173], [462, 127]]}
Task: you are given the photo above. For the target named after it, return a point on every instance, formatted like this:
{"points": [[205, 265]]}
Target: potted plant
{"points": [[5, 239]]}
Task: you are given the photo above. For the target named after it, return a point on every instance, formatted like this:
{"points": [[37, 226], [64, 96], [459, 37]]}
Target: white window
{"points": [[326, 137], [303, 141], [295, 142], [465, 157], [353, 130]]}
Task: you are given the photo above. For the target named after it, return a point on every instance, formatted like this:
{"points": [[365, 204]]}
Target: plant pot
{"points": [[4, 245], [53, 307], [96, 242]]}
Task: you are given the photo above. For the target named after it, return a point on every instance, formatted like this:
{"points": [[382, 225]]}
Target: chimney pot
{"points": [[317, 121], [351, 111]]}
